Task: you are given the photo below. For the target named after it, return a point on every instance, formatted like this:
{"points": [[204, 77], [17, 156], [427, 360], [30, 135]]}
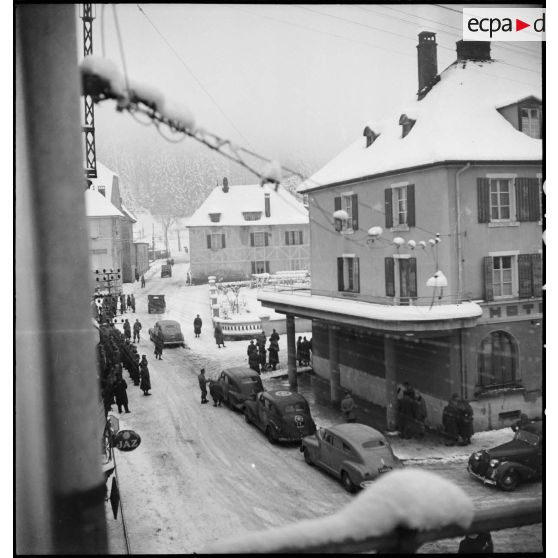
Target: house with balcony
{"points": [[250, 229], [426, 246]]}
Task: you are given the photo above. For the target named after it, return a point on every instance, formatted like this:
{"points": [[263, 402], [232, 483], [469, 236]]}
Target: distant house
{"points": [[242, 230], [123, 257], [426, 247]]}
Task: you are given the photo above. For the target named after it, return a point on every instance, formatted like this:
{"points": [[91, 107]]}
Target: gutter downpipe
{"points": [[460, 270]]}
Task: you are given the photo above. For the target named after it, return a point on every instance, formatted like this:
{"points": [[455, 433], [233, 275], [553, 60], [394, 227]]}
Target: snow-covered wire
{"points": [[165, 137]]}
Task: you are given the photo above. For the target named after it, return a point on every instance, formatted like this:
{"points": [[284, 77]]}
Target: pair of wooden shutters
{"points": [[388, 195], [407, 277], [527, 199], [266, 238], [296, 237], [337, 204], [530, 272], [209, 245], [355, 287]]}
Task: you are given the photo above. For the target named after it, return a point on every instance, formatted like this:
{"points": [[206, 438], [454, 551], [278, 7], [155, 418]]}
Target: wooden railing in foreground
{"points": [[408, 541]]}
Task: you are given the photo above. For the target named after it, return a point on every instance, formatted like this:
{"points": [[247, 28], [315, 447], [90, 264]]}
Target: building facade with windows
{"points": [[433, 223], [250, 229]]}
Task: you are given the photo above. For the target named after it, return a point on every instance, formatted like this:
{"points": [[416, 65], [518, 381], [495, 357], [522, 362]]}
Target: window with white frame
{"points": [[347, 202], [259, 239], [216, 241], [502, 276], [293, 238], [531, 121], [348, 274], [400, 205], [501, 199]]}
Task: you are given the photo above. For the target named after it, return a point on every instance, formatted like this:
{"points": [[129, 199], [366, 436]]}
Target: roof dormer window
{"points": [[406, 124], [252, 215], [370, 136], [530, 121], [214, 217]]}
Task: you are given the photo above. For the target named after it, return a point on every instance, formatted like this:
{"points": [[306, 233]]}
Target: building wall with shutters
{"points": [[234, 261], [105, 243]]}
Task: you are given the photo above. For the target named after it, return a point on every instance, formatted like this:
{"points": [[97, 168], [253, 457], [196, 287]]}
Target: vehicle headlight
{"points": [[494, 463], [477, 455]]}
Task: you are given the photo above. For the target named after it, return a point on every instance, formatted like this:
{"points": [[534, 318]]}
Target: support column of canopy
{"points": [[390, 365], [334, 372], [291, 351]]}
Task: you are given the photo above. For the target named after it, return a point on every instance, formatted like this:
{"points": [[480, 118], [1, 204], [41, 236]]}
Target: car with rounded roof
{"points": [[352, 452], [239, 384], [283, 415], [172, 333], [506, 465]]}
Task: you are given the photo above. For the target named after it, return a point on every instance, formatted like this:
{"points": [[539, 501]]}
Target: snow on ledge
{"points": [[374, 311], [410, 498]]}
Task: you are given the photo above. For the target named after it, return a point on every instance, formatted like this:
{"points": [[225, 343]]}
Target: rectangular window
{"points": [[531, 122], [260, 266], [348, 279], [216, 241], [503, 276], [296, 264], [259, 239], [349, 204], [293, 238], [400, 206], [500, 199]]}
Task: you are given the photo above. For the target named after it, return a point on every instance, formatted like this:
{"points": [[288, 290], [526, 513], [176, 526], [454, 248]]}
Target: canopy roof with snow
{"points": [[457, 120], [232, 206]]}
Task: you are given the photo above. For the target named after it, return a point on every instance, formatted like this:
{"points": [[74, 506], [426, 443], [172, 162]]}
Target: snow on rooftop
{"points": [[97, 205], [285, 208], [374, 311], [409, 498], [457, 120]]}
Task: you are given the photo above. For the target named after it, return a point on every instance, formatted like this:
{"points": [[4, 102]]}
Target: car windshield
{"points": [[296, 408], [170, 328], [528, 437], [372, 444]]}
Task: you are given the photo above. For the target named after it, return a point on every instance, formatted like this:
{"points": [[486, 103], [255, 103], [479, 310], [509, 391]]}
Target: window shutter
{"points": [[389, 210], [390, 276], [337, 206], [488, 268], [411, 205], [209, 241], [223, 245], [483, 199], [522, 199], [537, 274], [524, 271], [267, 235], [267, 267], [252, 239], [413, 277], [356, 270], [340, 284], [286, 238], [354, 211], [253, 267]]}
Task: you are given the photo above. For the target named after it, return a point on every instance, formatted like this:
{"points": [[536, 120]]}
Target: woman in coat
{"points": [[218, 333], [197, 325], [145, 383]]}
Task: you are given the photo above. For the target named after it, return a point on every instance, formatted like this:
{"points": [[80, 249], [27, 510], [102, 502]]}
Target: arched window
{"points": [[498, 360]]}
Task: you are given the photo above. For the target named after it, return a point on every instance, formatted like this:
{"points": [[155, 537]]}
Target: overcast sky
{"points": [[290, 82]]}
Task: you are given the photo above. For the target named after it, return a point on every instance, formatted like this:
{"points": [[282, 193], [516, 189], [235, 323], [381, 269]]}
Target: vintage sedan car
{"points": [[283, 415], [239, 384], [166, 270], [172, 334], [519, 460], [354, 453], [156, 303]]}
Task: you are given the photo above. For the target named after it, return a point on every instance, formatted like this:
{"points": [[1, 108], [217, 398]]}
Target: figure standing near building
{"points": [[197, 325], [119, 388], [274, 336], [122, 303], [348, 407], [202, 380], [143, 280], [137, 329], [305, 351], [133, 302], [127, 330], [254, 361], [420, 414], [450, 420], [145, 383], [251, 349], [465, 422], [218, 333], [273, 350], [262, 356], [261, 340], [128, 301], [299, 351]]}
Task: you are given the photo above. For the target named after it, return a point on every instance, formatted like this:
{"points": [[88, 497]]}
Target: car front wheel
{"points": [[348, 483], [509, 481]]}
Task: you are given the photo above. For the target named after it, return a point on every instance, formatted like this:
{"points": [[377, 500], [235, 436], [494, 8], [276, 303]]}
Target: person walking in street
{"points": [[218, 333], [254, 361], [133, 303], [202, 380], [137, 329], [122, 303], [145, 383], [216, 392], [419, 413], [348, 407], [119, 388], [273, 350], [299, 351], [465, 422], [127, 330], [197, 325], [450, 420], [159, 344], [142, 280]]}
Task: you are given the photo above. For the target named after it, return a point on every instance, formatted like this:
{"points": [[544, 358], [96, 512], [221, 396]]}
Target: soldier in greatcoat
{"points": [[145, 383], [197, 325], [254, 361], [273, 351], [216, 392], [119, 388], [202, 380], [137, 329], [218, 333], [127, 330], [450, 420]]}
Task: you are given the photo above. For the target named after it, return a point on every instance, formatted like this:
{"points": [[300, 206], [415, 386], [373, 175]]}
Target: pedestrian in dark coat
{"points": [[122, 303], [133, 302], [135, 371], [197, 325], [218, 333], [202, 380], [261, 340], [143, 280], [419, 414], [478, 543], [137, 329], [127, 330], [262, 356], [216, 392], [136, 275], [145, 383], [299, 351], [128, 301], [305, 350], [254, 361], [251, 349], [450, 418], [159, 345], [348, 407], [406, 414], [273, 354], [119, 388], [465, 421], [274, 336]]}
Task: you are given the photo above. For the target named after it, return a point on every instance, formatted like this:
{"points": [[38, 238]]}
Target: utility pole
{"points": [[87, 15]]}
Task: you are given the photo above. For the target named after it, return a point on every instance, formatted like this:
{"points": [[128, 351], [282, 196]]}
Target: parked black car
{"points": [[518, 460], [156, 303]]}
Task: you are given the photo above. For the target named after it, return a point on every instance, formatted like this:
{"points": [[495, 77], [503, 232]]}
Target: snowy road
{"points": [[202, 474]]}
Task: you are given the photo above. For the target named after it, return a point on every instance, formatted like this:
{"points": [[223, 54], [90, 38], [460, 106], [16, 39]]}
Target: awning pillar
{"points": [[291, 351], [334, 372], [390, 363]]}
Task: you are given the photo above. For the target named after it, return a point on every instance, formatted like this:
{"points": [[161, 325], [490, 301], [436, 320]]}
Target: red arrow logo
{"points": [[519, 25]]}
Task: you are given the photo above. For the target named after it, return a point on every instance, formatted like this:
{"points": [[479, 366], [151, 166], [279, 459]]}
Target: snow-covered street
{"points": [[201, 474]]}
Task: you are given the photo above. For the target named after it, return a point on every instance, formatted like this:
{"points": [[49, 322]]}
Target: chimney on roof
{"points": [[473, 50], [427, 61], [225, 184], [267, 200]]}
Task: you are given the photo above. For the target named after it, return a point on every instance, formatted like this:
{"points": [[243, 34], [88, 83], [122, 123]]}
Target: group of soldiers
{"points": [[303, 348], [258, 358], [457, 419], [106, 307], [411, 412]]}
